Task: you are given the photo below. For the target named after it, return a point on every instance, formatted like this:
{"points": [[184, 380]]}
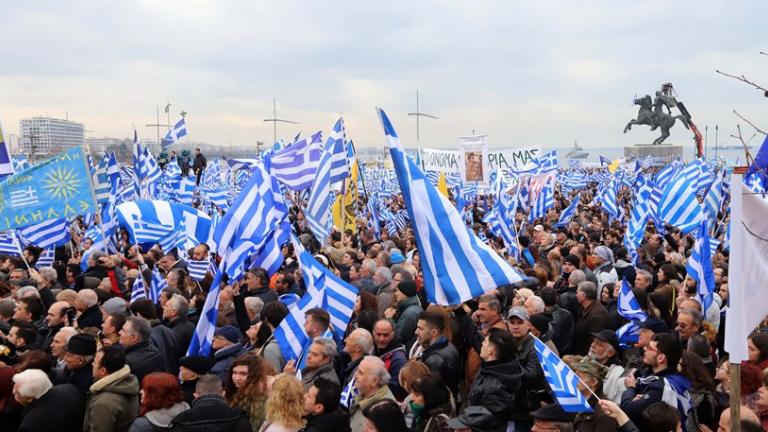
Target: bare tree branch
{"points": [[746, 147], [744, 79], [764, 53], [749, 122]]}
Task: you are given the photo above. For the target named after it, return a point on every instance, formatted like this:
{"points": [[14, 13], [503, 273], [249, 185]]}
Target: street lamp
{"points": [[274, 121], [418, 114]]}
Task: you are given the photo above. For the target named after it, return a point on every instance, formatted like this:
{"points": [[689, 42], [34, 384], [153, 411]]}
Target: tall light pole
{"points": [[274, 121], [418, 114], [158, 125]]}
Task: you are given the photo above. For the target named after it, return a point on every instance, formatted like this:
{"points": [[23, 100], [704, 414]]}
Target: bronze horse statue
{"points": [[656, 118]]}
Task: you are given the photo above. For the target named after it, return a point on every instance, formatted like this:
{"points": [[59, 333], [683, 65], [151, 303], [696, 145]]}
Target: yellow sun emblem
{"points": [[61, 183]]}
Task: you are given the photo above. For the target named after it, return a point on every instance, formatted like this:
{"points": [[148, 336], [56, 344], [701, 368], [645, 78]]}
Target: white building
{"points": [[46, 136]]}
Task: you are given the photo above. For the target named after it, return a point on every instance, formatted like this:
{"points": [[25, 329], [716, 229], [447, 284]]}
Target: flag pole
{"points": [[86, 152]]}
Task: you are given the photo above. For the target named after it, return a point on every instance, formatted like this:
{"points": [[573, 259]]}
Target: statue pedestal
{"points": [[661, 153]]}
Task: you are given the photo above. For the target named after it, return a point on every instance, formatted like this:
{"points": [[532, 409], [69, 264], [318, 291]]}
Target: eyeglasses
{"points": [[650, 348]]}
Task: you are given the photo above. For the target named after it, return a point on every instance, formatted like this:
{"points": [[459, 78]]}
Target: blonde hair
{"points": [[414, 369], [285, 404]]}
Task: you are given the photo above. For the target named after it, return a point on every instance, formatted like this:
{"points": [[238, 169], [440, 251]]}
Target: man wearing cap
{"points": [[604, 271], [78, 361], [497, 380], [551, 418], [406, 314], [533, 390], [648, 328], [592, 374], [226, 346], [605, 350], [191, 368], [473, 419]]}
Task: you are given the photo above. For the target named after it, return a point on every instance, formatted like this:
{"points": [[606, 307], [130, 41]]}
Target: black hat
{"points": [[197, 364], [552, 412], [573, 259], [655, 325], [407, 287], [541, 322], [476, 418], [608, 336], [82, 344]]}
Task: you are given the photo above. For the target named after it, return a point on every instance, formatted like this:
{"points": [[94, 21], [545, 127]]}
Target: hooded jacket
{"points": [[494, 388], [408, 312], [210, 413], [114, 402]]}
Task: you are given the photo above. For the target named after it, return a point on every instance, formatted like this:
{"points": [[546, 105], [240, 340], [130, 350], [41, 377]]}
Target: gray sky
{"points": [[525, 73]]}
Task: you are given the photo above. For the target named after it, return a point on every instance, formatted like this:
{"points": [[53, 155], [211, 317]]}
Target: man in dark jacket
{"points": [[226, 345], [78, 361], [498, 379], [592, 318], [391, 351], [142, 356], [199, 164], [191, 368], [175, 316], [87, 303], [533, 390], [114, 401], [406, 313], [562, 321], [47, 407], [57, 318], [163, 338], [438, 352], [210, 412], [321, 403]]}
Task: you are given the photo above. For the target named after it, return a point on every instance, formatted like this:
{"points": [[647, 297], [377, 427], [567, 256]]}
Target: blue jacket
{"points": [[223, 358]]}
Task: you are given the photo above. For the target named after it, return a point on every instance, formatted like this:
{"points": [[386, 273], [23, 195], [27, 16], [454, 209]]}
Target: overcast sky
{"points": [[524, 73]]}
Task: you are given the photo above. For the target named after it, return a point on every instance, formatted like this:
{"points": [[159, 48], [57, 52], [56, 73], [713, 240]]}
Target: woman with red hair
{"points": [[161, 401]]}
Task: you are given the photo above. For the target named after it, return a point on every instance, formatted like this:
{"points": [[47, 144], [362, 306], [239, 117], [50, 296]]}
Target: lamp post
{"points": [[418, 114], [274, 121]]}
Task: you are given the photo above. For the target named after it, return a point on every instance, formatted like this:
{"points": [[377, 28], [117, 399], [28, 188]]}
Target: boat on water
{"points": [[577, 152], [733, 147]]}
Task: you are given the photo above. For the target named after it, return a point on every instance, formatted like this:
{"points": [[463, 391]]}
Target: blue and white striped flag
{"points": [[699, 266], [567, 215], [156, 286], [139, 289], [198, 269], [178, 131], [202, 338], [296, 165], [9, 244], [628, 334], [47, 257], [149, 232], [678, 205], [53, 232], [318, 212], [627, 305], [457, 265], [544, 201], [608, 200], [713, 200], [186, 191], [336, 145], [563, 382]]}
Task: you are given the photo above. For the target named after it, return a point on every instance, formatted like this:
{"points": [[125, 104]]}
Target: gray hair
{"points": [[537, 304], [208, 384], [88, 297], [405, 275], [492, 301], [27, 291], [645, 274], [140, 327], [68, 332], [369, 265], [49, 274], [385, 274], [362, 338], [32, 383], [589, 289], [379, 369], [254, 304], [695, 315], [329, 346], [179, 304], [577, 277], [95, 255]]}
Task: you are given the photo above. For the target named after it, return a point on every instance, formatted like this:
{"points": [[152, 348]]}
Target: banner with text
{"points": [[511, 161]]}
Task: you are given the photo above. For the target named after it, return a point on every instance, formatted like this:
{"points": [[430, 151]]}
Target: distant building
{"points": [[46, 136]]}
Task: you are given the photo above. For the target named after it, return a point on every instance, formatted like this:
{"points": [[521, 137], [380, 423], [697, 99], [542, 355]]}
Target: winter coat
{"points": [[605, 274], [437, 420], [308, 376], [90, 317], [651, 390], [442, 358], [386, 296], [591, 319], [144, 358], [210, 413], [61, 409], [596, 421], [533, 390], [356, 418], [625, 270], [223, 358], [394, 357], [114, 402], [272, 354], [334, 421], [184, 330], [158, 419], [562, 327], [82, 378], [407, 317], [166, 342], [494, 388]]}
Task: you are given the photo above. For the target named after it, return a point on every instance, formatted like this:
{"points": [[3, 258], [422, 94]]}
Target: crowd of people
{"points": [[77, 354]]}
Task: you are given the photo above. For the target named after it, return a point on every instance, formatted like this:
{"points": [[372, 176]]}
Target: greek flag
{"points": [[678, 205], [457, 265], [666, 174], [186, 192], [178, 131], [217, 196], [699, 266], [544, 201], [713, 200], [296, 165], [318, 211], [561, 379], [567, 215], [156, 286], [149, 232], [9, 244], [604, 161], [336, 145], [502, 226], [53, 232], [198, 269], [547, 163], [324, 290], [608, 200], [628, 334], [139, 289], [202, 338], [46, 257], [627, 305], [348, 394]]}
